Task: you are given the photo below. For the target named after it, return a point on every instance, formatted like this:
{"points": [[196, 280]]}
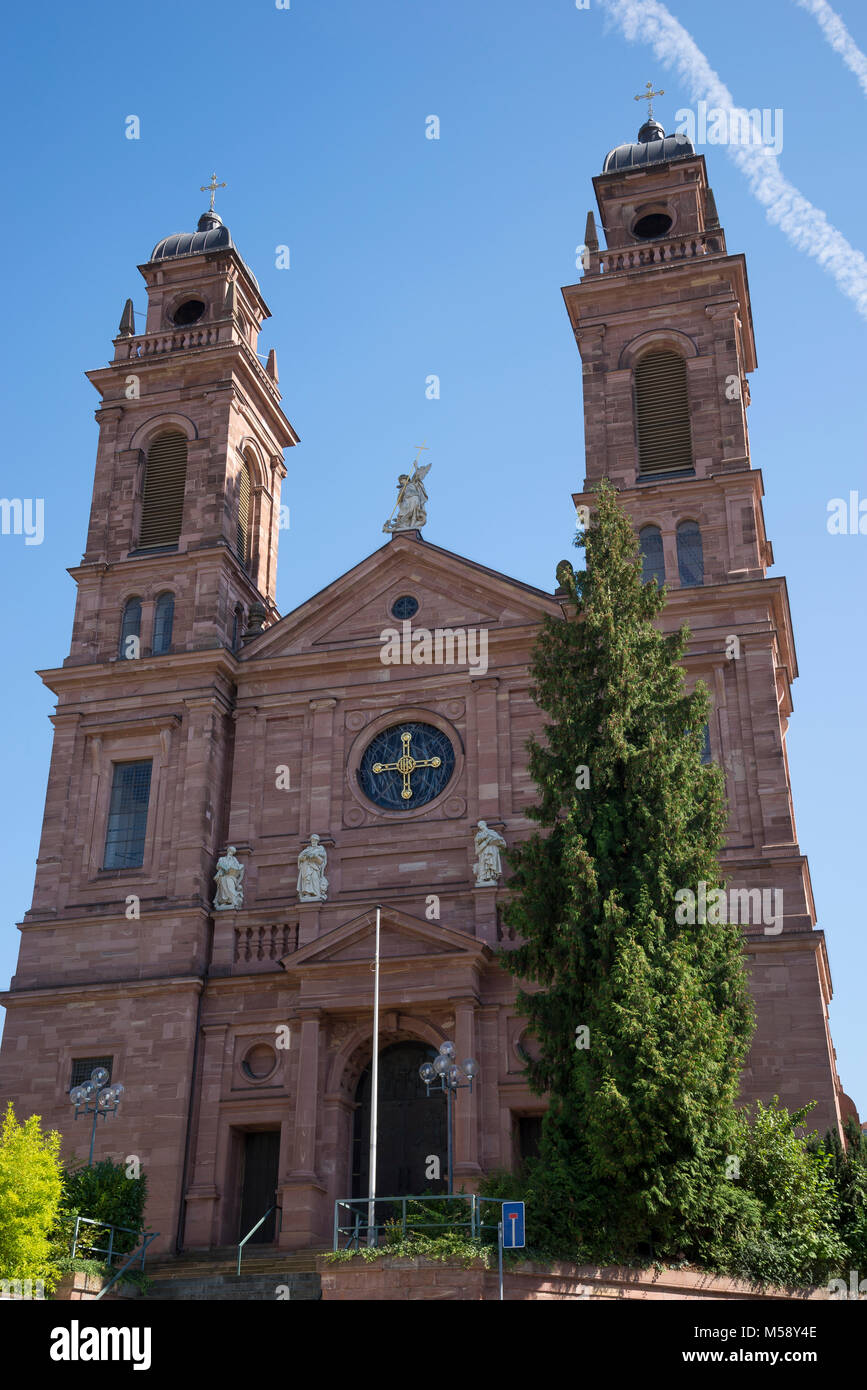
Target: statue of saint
{"points": [[487, 867], [312, 883], [229, 879], [411, 502]]}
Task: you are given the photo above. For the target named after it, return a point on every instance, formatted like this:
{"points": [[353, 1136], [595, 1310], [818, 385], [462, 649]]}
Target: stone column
{"points": [[466, 1138], [301, 1193], [321, 761], [487, 747], [203, 1193]]}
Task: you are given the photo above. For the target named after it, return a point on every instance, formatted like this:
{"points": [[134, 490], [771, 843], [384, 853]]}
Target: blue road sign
{"points": [[513, 1225]]}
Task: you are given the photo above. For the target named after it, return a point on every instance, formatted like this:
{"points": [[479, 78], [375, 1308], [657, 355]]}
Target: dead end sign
{"points": [[513, 1225]]}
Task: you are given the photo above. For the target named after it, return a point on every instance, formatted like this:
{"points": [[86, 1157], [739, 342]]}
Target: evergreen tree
{"points": [[848, 1168], [641, 1119]]}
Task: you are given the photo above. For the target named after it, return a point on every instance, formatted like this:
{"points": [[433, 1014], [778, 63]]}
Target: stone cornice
{"points": [[108, 989]]}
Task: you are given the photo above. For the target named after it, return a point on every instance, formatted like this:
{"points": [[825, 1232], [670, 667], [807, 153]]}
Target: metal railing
{"points": [[358, 1231], [151, 1235], [242, 1243], [108, 1250]]}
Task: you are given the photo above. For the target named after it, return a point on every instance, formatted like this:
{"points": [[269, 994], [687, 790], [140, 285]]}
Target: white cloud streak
{"points": [[839, 38], [806, 226]]}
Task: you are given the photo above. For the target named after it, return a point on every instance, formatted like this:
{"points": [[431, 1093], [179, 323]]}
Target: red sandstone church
{"points": [[227, 801]]}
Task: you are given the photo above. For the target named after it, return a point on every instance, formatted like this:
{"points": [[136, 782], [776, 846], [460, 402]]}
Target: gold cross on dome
{"points": [[648, 97], [406, 765], [211, 188]]}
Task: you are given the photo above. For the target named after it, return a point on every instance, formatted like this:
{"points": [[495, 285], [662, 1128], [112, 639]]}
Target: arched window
{"points": [[652, 561], [705, 747], [662, 414], [244, 491], [129, 647], [164, 617], [690, 559], [163, 492]]}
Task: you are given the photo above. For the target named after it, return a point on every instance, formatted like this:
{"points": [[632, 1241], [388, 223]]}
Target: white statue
{"points": [[487, 867], [411, 502], [229, 879], [312, 883]]}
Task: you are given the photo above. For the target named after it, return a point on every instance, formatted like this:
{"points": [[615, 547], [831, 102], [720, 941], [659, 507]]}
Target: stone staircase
{"points": [[267, 1275]]}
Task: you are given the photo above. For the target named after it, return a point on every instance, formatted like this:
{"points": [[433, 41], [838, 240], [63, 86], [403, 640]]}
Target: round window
{"points": [[404, 607], [259, 1062], [406, 766], [653, 224], [189, 312]]}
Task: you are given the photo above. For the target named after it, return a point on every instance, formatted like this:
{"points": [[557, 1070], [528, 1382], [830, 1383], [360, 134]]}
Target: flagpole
{"points": [[374, 1098]]}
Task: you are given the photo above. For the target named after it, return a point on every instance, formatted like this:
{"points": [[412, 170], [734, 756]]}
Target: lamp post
{"points": [[452, 1078], [96, 1098]]}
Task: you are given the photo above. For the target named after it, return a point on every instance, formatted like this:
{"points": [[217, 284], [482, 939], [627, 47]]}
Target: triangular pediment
{"points": [[451, 591], [402, 937]]}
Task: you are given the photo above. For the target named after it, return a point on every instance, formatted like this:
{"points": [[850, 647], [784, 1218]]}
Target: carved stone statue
{"points": [[487, 867], [229, 879], [411, 502], [312, 883]]}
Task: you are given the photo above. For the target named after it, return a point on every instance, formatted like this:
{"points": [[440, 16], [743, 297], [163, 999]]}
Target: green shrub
{"points": [[31, 1185], [105, 1193], [793, 1183]]}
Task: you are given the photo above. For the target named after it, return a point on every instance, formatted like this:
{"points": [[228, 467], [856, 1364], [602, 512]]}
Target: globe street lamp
{"points": [[452, 1078], [96, 1098]]}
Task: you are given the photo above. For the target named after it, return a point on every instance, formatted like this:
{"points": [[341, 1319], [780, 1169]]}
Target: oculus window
{"points": [[406, 766]]}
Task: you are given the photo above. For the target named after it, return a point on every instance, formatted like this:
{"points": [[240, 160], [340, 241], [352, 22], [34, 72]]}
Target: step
{"points": [[304, 1262], [221, 1288]]}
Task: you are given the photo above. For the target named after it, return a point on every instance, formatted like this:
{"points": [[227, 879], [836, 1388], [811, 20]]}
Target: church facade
{"points": [[232, 793]]}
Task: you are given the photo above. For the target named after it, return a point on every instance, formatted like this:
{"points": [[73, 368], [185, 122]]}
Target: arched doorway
{"points": [[412, 1126]]}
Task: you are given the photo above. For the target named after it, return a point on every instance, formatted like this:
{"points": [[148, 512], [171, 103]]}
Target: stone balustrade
{"points": [[656, 253]]}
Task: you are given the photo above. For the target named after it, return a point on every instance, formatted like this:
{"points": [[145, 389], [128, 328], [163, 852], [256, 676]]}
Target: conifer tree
{"points": [[641, 1112]]}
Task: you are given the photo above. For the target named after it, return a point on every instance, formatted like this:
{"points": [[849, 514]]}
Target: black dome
{"points": [[211, 234], [653, 147]]}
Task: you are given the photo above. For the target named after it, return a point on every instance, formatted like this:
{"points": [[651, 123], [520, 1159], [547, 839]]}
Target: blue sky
{"points": [[411, 257]]}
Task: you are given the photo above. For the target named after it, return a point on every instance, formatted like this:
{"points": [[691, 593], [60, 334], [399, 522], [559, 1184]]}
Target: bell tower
{"points": [[182, 542], [663, 324]]}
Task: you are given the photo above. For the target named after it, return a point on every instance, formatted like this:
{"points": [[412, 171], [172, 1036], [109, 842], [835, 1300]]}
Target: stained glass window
{"points": [[406, 766]]}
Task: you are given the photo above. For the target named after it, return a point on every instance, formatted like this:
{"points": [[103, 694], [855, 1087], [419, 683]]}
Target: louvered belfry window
{"points": [[243, 539], [662, 414], [163, 496]]}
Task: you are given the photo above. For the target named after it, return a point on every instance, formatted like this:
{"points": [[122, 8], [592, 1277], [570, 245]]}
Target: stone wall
{"points": [[411, 1279]]}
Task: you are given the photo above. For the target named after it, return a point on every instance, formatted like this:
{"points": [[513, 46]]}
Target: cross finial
{"points": [[648, 97], [213, 186]]}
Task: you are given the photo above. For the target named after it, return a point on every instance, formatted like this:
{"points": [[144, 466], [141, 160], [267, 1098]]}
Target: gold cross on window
{"points": [[406, 765]]}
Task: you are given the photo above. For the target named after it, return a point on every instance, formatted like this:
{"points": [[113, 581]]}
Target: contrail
{"points": [[839, 38], [807, 227]]}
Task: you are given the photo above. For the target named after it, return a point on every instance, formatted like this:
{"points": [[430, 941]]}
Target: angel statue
{"points": [[312, 883], [488, 844], [411, 501], [229, 878]]}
